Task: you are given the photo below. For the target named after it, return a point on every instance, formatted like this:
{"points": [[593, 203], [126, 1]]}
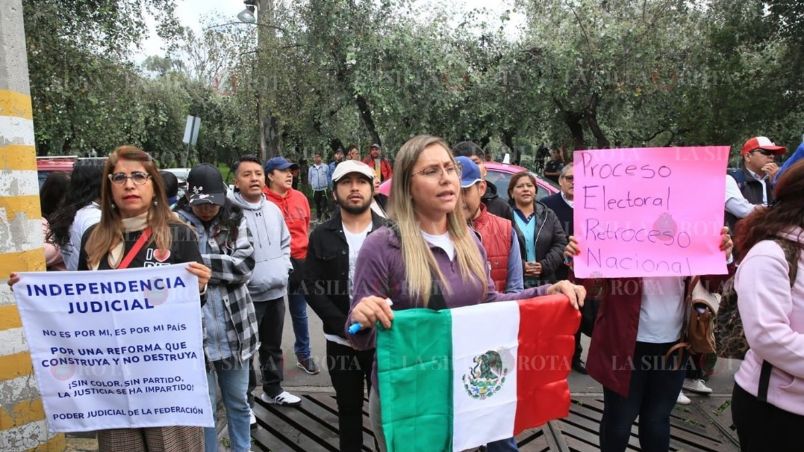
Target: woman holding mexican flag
{"points": [[428, 257]]}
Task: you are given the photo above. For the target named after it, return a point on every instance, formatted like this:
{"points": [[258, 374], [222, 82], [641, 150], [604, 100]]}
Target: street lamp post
{"points": [[266, 96]]}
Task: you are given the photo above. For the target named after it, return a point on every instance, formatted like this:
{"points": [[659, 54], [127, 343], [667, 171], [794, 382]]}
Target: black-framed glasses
{"points": [[435, 172], [138, 177], [568, 178], [764, 152]]}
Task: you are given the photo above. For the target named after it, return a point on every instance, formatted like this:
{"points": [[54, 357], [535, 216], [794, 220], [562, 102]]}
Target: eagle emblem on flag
{"points": [[486, 376]]}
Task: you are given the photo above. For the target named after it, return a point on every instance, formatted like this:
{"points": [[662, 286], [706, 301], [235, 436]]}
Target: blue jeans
{"points": [[652, 394], [298, 314], [233, 382], [503, 445]]}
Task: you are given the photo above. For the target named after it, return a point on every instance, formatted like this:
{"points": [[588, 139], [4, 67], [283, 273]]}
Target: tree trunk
{"points": [[266, 46], [573, 121], [368, 120], [591, 121], [508, 140]]}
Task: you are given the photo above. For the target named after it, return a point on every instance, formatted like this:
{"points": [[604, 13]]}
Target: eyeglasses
{"points": [[764, 152], [568, 178], [138, 177], [435, 172]]}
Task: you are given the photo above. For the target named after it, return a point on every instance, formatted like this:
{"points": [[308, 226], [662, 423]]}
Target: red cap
{"points": [[762, 143]]}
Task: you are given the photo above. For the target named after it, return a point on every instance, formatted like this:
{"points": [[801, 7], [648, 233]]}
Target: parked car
{"points": [[58, 164], [54, 164], [500, 175]]}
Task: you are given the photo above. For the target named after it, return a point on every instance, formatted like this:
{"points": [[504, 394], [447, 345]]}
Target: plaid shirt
{"points": [[230, 256]]}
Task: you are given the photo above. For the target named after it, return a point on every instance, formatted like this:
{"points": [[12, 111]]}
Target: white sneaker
{"points": [[683, 399], [283, 399], [252, 420], [697, 386]]}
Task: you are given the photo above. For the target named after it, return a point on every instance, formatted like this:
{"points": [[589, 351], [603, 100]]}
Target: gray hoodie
{"points": [[269, 279]]}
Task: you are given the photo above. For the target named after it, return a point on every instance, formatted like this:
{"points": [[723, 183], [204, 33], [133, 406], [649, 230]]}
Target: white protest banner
{"points": [[648, 212], [116, 348]]}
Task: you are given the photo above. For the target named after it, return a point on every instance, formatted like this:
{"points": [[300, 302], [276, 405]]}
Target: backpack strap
{"points": [[764, 381], [791, 254]]}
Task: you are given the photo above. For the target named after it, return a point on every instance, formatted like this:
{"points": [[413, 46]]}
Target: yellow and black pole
{"points": [[22, 418]]}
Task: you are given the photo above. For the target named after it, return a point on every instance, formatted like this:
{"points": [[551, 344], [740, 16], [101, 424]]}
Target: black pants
{"points": [[349, 369], [321, 203], [762, 426], [651, 396], [271, 321]]}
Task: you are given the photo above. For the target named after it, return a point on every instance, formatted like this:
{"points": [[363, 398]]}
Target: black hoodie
{"points": [[495, 205]]}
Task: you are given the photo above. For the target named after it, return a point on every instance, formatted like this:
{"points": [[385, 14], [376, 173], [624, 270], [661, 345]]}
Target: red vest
{"points": [[495, 234]]}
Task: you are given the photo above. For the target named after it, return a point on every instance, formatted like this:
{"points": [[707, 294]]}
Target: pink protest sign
{"points": [[649, 211]]}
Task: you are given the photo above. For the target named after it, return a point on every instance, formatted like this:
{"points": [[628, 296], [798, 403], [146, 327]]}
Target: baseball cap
{"points": [[762, 143], [280, 163], [470, 172], [205, 186], [375, 145], [352, 166]]}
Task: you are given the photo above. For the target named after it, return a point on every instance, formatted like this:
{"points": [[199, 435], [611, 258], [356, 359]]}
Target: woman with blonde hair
{"points": [[428, 257], [133, 203]]}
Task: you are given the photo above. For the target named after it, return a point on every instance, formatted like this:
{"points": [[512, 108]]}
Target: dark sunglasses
{"points": [[764, 152]]}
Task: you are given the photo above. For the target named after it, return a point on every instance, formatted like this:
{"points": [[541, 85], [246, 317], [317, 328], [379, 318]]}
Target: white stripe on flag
{"points": [[483, 393]]}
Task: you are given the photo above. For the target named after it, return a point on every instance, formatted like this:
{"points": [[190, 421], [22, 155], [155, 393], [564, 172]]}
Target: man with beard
{"points": [[382, 168], [331, 256]]}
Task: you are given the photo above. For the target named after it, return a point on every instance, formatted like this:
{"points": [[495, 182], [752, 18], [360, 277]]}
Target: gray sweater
{"points": [[269, 280]]}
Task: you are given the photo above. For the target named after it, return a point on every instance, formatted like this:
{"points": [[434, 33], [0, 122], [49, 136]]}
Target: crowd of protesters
{"points": [[442, 239]]}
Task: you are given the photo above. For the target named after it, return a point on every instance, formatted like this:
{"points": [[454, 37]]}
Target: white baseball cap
{"points": [[352, 166]]}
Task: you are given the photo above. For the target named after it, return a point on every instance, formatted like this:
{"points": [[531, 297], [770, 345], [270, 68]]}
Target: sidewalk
{"points": [[707, 417]]}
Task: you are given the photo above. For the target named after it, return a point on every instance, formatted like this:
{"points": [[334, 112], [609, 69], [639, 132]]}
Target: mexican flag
{"points": [[459, 378]]}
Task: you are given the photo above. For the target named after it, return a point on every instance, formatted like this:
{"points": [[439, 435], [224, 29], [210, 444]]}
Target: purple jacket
{"points": [[380, 271]]}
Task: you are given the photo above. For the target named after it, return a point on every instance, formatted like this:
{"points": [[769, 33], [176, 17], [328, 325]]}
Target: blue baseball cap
{"points": [[280, 163], [470, 172]]}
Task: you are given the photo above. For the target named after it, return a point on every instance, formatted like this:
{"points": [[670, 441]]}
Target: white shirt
{"points": [[84, 218], [355, 241], [661, 314], [569, 202], [442, 241]]}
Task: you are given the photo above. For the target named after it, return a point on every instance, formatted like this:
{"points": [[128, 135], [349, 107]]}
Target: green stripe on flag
{"points": [[413, 368]]}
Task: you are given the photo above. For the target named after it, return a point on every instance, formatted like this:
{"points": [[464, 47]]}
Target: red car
{"points": [[500, 175], [54, 164]]}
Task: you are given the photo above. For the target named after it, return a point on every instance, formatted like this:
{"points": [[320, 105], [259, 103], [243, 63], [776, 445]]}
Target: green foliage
{"points": [[582, 73]]}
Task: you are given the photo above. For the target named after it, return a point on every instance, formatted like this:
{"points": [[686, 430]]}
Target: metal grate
{"points": [[703, 426]]}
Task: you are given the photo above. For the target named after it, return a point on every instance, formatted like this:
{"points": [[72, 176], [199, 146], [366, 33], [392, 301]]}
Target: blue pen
{"points": [[355, 327]]}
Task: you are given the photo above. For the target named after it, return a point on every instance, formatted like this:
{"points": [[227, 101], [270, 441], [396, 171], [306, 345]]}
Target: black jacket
{"points": [[326, 278], [564, 213], [495, 205], [550, 242]]}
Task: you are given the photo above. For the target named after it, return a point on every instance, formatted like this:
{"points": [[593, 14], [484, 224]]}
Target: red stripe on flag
{"points": [[547, 327]]}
